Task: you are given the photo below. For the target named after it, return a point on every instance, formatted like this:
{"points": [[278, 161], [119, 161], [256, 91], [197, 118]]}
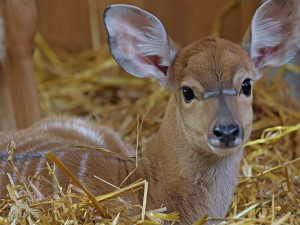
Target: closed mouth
{"points": [[229, 144], [223, 150]]}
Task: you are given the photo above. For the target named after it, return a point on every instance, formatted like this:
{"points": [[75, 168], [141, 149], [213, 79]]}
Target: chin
{"points": [[224, 151]]}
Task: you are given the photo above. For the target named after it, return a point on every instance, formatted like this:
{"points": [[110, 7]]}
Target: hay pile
{"points": [[92, 85]]}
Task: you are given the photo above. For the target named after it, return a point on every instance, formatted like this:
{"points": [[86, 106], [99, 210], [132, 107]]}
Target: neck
{"points": [[186, 178]]}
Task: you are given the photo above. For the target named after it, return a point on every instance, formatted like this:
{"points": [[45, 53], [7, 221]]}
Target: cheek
{"points": [[244, 114], [198, 117]]}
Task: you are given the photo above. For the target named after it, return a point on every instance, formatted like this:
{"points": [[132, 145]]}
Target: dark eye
{"points": [[246, 87], [188, 94]]}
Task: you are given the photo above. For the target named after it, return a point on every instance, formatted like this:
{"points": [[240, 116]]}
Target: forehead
{"points": [[211, 62]]}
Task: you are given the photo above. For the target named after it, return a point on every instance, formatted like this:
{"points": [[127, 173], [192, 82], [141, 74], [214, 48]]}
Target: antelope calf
{"points": [[192, 165]]}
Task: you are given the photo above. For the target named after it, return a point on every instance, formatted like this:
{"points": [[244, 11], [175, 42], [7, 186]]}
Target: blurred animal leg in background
{"points": [[18, 95]]}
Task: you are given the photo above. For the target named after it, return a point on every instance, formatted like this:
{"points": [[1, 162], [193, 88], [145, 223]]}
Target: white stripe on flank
{"points": [[55, 187], [2, 174], [2, 47], [24, 169], [39, 166], [83, 163], [81, 127]]}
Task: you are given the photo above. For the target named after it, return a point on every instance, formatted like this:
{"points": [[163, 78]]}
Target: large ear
{"points": [[274, 36], [138, 42]]}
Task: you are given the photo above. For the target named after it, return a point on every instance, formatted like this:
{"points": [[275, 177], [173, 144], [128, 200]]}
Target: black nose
{"points": [[226, 134]]}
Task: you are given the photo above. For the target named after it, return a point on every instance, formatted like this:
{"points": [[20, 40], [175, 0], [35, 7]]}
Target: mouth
{"points": [[222, 149]]}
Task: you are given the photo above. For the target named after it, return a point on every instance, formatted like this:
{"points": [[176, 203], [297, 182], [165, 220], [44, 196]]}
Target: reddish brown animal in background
{"points": [[18, 94], [192, 165]]}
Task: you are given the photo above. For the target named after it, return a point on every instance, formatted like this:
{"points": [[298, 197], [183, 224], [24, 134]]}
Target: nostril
{"points": [[233, 130], [218, 131], [218, 134]]}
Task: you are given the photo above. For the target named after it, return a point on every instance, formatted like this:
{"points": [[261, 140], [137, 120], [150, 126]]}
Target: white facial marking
{"points": [[209, 94], [229, 91]]}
